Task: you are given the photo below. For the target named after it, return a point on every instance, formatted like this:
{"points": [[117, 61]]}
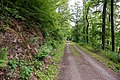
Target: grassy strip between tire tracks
{"points": [[74, 51]]}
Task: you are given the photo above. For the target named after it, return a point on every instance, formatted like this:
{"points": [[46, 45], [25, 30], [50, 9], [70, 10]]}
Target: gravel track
{"points": [[83, 67]]}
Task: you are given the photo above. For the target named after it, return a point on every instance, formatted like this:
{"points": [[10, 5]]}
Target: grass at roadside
{"points": [[101, 58], [74, 51]]}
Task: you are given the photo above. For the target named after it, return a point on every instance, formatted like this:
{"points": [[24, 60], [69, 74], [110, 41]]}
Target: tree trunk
{"points": [[103, 24], [112, 25], [84, 27], [87, 24], [77, 39]]}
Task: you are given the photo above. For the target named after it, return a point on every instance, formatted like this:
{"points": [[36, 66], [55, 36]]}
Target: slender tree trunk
{"points": [[77, 39], [112, 25], [87, 24], [84, 27], [103, 24], [77, 20], [109, 17], [119, 51]]}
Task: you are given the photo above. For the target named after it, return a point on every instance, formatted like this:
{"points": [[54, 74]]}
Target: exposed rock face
{"points": [[21, 39]]}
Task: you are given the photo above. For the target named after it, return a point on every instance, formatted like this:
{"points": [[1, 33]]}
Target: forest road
{"points": [[83, 67]]}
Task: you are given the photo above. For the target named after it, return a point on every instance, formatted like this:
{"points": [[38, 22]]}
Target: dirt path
{"points": [[83, 67]]}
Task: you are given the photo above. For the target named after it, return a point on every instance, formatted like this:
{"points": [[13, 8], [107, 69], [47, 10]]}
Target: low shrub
{"points": [[115, 57], [3, 57], [25, 72]]}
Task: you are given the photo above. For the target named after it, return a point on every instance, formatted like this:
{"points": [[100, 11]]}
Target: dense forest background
{"points": [[98, 24]]}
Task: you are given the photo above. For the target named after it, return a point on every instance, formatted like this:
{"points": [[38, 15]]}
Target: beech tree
{"points": [[112, 25], [103, 24]]}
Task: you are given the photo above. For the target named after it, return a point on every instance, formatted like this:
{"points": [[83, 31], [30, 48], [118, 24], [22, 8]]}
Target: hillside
{"points": [[30, 33]]}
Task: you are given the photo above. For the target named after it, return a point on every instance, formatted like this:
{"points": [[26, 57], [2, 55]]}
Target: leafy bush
{"points": [[50, 72], [25, 72], [3, 53], [3, 56], [13, 63], [88, 46], [3, 27], [2, 63], [38, 64], [44, 51]]}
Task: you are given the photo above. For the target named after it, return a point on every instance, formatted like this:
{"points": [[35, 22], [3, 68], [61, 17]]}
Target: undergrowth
{"points": [[50, 73], [3, 57], [23, 69]]}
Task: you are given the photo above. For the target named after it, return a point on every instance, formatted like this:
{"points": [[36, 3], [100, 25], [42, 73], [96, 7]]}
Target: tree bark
{"points": [[112, 25], [77, 39], [84, 27], [103, 24], [87, 24]]}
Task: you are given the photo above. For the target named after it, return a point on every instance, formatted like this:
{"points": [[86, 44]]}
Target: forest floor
{"points": [[83, 67]]}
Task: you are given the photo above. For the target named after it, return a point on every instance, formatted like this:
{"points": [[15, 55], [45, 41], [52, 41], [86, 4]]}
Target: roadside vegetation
{"points": [[32, 35], [43, 66]]}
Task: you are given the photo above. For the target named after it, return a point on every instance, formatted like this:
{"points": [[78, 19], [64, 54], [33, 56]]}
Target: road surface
{"points": [[83, 67]]}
